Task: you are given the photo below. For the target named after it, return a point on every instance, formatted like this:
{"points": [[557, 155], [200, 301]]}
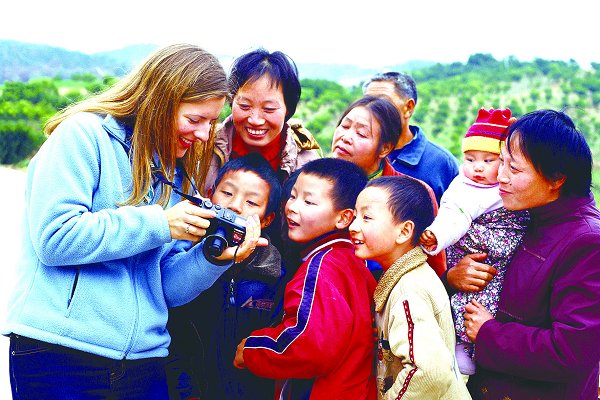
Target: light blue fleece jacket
{"points": [[94, 276]]}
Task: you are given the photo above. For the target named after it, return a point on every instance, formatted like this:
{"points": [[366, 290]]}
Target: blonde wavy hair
{"points": [[147, 100]]}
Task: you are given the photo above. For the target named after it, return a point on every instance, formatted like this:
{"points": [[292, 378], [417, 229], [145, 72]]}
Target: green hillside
{"points": [[448, 100], [449, 96]]}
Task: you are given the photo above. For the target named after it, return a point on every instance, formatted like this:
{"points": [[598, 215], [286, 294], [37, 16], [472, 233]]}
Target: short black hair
{"points": [[255, 162], [408, 200], [384, 111], [277, 66], [552, 143], [347, 179]]}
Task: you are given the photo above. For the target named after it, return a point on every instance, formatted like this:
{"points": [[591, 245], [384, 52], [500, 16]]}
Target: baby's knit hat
{"points": [[489, 129]]}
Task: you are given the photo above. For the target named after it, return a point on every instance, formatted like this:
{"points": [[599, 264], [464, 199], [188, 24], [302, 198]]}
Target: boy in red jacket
{"points": [[323, 348]]}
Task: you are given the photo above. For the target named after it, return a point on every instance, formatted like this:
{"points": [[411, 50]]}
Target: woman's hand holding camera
{"points": [[187, 221]]}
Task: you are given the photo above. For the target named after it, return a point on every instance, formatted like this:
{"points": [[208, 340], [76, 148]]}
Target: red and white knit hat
{"points": [[488, 131]]}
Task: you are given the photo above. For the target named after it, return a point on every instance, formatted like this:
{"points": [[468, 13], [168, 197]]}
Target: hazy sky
{"points": [[371, 33]]}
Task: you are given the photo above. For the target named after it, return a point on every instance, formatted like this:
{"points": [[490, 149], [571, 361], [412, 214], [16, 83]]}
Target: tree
{"points": [[481, 60], [17, 141]]}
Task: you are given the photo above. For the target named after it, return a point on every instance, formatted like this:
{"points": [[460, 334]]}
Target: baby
{"points": [[471, 219]]}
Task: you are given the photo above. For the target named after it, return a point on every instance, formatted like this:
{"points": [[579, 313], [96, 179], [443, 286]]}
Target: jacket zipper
{"points": [[73, 287]]}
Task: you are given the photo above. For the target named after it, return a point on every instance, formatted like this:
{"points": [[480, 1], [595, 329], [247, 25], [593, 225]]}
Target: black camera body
{"points": [[226, 229]]}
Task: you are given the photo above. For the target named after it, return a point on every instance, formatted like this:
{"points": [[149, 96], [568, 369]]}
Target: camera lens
{"points": [[216, 243]]}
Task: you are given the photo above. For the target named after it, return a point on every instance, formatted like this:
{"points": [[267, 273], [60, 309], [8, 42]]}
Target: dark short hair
{"points": [[255, 162], [404, 83], [347, 179], [385, 113], [555, 148], [408, 200], [277, 66]]}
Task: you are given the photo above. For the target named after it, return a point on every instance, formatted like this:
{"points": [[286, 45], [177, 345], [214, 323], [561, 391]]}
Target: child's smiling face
{"points": [[374, 231]]}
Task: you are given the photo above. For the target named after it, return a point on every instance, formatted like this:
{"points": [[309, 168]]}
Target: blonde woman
{"points": [[106, 235]]}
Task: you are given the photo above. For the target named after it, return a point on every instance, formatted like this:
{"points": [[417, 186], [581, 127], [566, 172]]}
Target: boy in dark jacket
{"points": [[206, 331]]}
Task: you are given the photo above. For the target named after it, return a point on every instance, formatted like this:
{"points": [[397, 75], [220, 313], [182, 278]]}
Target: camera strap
{"points": [[182, 168], [160, 176], [164, 180]]}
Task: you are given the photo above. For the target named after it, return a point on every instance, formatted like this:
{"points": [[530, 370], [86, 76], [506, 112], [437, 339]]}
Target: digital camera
{"points": [[226, 229]]}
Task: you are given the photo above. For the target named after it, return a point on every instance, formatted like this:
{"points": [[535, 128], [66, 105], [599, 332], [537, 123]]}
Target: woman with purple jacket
{"points": [[543, 342]]}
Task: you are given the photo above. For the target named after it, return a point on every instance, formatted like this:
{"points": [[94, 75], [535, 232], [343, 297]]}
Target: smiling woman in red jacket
{"points": [[543, 343]]}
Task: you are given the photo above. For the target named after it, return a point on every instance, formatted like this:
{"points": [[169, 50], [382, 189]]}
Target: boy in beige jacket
{"points": [[416, 338]]}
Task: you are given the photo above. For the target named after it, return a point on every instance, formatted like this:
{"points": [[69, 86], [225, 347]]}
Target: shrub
{"points": [[18, 140]]}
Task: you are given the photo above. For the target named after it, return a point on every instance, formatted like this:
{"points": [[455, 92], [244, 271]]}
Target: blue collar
{"points": [[412, 151]]}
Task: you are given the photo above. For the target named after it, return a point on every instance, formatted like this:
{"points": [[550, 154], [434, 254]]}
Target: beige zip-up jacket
{"points": [[415, 357]]}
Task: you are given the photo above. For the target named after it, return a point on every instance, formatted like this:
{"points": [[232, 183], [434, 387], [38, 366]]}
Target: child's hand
{"points": [[428, 240], [238, 361], [251, 240]]}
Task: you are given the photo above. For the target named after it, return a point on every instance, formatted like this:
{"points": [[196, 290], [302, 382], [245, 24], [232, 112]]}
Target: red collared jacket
{"points": [[326, 336]]}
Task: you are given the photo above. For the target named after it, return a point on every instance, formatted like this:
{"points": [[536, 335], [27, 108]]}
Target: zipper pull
{"points": [[232, 292]]}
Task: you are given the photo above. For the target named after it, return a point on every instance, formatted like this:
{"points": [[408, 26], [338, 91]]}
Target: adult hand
{"points": [[428, 240], [475, 316], [252, 239], [187, 221], [238, 361], [470, 275]]}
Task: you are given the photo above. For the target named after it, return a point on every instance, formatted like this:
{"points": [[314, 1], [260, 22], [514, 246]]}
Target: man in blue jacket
{"points": [[414, 154]]}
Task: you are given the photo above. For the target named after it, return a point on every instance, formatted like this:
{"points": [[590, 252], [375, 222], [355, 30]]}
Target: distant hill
{"points": [[349, 75], [22, 61], [130, 55]]}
